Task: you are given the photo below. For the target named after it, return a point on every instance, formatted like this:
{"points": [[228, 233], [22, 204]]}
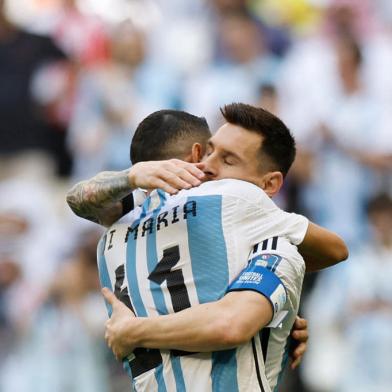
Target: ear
{"points": [[272, 182], [197, 153]]}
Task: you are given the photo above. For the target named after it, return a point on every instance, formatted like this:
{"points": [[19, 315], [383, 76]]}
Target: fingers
{"points": [[171, 176], [175, 175], [297, 355], [118, 353], [300, 335], [195, 169], [189, 175], [174, 178], [300, 330], [300, 323], [201, 166], [295, 363], [299, 351], [107, 335], [161, 184], [109, 296], [188, 172]]}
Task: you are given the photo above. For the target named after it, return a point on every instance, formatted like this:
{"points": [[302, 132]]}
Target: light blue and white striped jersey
{"points": [[281, 257], [179, 251]]}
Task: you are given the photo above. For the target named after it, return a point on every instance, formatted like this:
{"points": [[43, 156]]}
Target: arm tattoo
{"points": [[99, 199]]}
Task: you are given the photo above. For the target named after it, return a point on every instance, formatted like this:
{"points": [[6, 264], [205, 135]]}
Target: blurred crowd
{"points": [[76, 77]]}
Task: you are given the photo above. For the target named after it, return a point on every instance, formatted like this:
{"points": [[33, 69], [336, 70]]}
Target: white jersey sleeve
{"points": [[281, 258], [256, 219], [255, 212], [249, 217], [296, 227]]}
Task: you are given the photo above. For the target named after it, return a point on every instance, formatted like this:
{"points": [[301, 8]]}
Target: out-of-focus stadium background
{"points": [[76, 77]]}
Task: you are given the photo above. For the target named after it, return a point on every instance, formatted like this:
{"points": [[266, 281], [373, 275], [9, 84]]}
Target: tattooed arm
{"points": [[100, 198]]}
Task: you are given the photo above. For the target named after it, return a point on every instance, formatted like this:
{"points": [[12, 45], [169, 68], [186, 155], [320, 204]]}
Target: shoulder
{"points": [[282, 258], [237, 189]]}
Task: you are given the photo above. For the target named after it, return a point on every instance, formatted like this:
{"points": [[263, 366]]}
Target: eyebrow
{"points": [[228, 153]]}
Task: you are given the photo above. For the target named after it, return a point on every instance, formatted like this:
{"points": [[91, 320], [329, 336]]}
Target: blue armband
{"points": [[258, 277]]}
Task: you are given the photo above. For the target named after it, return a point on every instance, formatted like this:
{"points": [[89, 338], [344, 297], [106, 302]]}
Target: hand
{"points": [[300, 334], [171, 175], [120, 327]]}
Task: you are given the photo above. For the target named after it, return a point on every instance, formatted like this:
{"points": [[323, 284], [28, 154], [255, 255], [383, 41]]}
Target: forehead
{"points": [[236, 139]]}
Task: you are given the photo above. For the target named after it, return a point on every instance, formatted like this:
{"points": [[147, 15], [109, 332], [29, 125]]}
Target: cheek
{"points": [[233, 172]]}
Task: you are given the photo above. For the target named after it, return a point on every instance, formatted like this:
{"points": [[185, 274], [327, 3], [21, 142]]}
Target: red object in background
{"points": [[82, 37]]}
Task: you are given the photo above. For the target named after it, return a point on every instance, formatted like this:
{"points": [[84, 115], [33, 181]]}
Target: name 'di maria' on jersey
{"points": [[172, 216]]}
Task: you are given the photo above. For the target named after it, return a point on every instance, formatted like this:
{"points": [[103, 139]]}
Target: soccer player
{"points": [[165, 151], [262, 257], [175, 134], [157, 262]]}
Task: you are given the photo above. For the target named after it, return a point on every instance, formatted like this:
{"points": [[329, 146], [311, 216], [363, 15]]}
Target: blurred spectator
{"points": [[30, 230], [356, 315], [276, 35], [300, 15], [330, 109], [81, 36], [227, 6], [30, 249], [346, 143], [352, 17], [23, 124], [287, 18], [245, 64], [184, 46], [84, 39], [269, 99], [289, 198], [111, 101], [64, 336]]}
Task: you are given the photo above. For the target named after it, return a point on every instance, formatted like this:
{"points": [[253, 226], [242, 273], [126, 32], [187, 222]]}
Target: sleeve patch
{"points": [[258, 276], [267, 260]]}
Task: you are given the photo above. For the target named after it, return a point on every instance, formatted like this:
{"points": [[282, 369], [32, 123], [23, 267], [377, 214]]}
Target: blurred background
{"points": [[76, 77]]}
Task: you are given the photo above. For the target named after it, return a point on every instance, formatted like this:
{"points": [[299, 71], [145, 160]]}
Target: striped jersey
{"points": [[178, 251], [270, 346]]}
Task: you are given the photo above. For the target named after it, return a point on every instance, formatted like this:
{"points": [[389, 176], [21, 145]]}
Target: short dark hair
{"points": [[167, 134], [278, 143]]}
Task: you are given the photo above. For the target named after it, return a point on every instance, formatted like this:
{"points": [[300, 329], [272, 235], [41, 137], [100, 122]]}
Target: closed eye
{"points": [[228, 161], [209, 149]]}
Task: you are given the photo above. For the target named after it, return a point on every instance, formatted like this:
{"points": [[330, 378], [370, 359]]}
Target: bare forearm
{"points": [[322, 248], [227, 323], [190, 330], [99, 199], [214, 326]]}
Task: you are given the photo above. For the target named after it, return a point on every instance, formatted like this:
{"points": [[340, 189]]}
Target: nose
{"points": [[210, 167]]}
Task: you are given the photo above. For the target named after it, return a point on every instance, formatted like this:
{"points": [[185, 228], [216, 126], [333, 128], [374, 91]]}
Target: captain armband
{"points": [[257, 276]]}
